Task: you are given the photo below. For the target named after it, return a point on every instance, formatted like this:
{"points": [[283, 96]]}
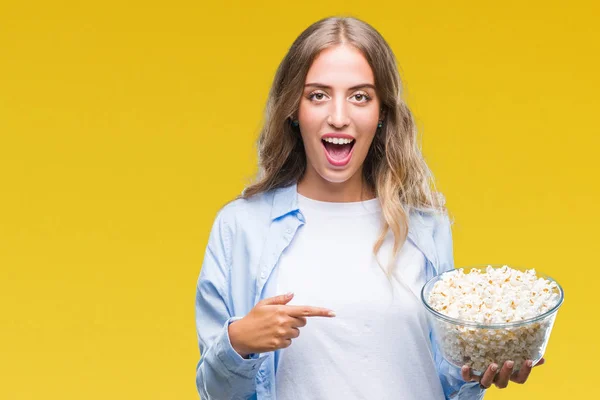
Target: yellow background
{"points": [[125, 126]]}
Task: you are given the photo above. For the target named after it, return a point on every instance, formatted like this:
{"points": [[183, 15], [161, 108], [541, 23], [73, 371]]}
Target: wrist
{"points": [[233, 339]]}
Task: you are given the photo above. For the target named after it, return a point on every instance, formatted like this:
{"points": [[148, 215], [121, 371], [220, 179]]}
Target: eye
{"points": [[319, 96], [362, 97], [316, 96]]}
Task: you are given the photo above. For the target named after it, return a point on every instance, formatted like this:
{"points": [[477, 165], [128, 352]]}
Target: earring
{"points": [[380, 124], [295, 123]]}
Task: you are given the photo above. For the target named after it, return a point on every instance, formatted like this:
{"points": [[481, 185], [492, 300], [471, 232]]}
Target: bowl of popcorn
{"points": [[491, 314]]}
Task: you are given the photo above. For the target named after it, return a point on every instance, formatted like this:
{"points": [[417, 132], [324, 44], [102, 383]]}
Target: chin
{"points": [[336, 176]]}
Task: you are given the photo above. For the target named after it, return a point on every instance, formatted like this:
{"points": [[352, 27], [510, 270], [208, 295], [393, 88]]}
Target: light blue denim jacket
{"points": [[244, 246]]}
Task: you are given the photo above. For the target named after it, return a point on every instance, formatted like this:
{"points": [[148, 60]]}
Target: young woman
{"points": [[343, 215]]}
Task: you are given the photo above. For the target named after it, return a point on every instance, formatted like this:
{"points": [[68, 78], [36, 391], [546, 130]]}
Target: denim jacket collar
{"points": [[285, 201]]}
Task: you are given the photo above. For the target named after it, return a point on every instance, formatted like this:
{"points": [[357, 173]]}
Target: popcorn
{"points": [[496, 296]]}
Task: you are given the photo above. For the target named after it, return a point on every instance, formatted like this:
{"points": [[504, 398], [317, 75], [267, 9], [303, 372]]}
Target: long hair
{"points": [[394, 168]]}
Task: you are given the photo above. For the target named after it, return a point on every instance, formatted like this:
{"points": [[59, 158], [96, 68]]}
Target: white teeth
{"points": [[338, 140]]}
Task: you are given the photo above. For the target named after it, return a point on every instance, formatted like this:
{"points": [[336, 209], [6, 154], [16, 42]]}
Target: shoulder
{"points": [[241, 213], [435, 221], [436, 227], [442, 238]]}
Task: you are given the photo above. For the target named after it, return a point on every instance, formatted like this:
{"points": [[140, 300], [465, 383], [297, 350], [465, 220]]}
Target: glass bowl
{"points": [[477, 345]]}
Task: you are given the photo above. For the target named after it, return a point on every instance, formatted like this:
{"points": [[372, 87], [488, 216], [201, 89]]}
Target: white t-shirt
{"points": [[377, 347]]}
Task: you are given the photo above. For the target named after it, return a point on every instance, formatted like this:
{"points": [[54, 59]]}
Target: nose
{"points": [[338, 115]]}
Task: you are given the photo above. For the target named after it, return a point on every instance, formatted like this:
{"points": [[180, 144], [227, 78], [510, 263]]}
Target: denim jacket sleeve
{"points": [[454, 386], [221, 373]]}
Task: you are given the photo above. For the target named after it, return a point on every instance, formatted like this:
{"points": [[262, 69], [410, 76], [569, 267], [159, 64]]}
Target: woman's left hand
{"points": [[501, 378]]}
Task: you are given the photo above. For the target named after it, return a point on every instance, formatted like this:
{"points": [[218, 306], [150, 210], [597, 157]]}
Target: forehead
{"points": [[342, 66]]}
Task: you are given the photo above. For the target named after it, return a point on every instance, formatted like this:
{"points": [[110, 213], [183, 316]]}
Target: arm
{"points": [[452, 383], [454, 386], [221, 373]]}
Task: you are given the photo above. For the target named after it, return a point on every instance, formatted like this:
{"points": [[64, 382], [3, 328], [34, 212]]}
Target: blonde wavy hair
{"points": [[394, 168]]}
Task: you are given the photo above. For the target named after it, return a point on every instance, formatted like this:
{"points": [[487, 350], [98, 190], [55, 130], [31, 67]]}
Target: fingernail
{"points": [[510, 364], [529, 363], [494, 367], [289, 294], [331, 313], [465, 368]]}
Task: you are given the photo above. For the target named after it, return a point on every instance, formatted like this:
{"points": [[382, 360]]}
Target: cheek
{"points": [[311, 117], [367, 120], [310, 129], [367, 128]]}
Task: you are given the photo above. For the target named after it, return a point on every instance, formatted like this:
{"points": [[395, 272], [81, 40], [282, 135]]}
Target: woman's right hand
{"points": [[271, 325]]}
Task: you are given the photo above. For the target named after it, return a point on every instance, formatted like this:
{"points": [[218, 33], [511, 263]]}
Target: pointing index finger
{"points": [[308, 311]]}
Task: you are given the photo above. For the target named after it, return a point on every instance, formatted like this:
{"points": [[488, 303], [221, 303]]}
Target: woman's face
{"points": [[338, 116]]}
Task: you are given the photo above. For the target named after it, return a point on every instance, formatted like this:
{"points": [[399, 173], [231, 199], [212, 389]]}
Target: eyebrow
{"points": [[323, 86]]}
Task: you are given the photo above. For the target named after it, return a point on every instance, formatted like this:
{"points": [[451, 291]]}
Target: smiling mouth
{"points": [[339, 151]]}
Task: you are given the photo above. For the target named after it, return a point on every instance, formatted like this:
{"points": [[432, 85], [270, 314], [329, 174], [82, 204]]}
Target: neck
{"points": [[313, 186]]}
